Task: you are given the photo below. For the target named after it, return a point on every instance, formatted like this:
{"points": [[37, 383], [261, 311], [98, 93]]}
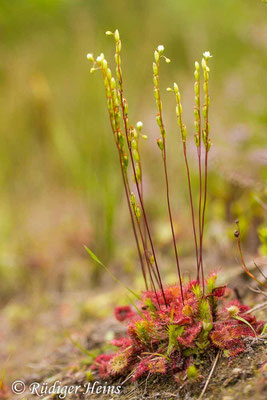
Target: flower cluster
{"points": [[168, 338]]}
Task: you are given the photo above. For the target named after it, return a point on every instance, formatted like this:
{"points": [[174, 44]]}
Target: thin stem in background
{"points": [[237, 235]]}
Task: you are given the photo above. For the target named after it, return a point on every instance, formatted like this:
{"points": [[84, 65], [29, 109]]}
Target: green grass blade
{"points": [[96, 259], [245, 322]]}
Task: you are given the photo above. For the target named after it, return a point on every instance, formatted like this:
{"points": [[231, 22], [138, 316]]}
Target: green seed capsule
{"points": [[196, 88], [132, 198], [134, 144], [138, 211], [160, 144], [136, 155], [158, 120]]}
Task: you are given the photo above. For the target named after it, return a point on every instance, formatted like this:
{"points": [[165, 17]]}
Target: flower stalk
{"points": [[183, 129], [162, 146], [207, 144], [127, 143]]}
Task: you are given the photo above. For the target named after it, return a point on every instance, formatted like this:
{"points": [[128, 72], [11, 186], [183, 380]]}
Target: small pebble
{"points": [[237, 371]]}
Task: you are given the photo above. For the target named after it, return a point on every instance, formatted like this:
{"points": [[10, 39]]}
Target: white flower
{"points": [[207, 55], [100, 58], [139, 125], [90, 57], [160, 49]]}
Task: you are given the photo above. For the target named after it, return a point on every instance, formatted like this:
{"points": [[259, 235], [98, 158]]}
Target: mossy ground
{"points": [[243, 378]]}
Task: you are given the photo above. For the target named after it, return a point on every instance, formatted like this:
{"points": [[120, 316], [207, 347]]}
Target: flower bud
{"points": [[158, 120], [156, 56], [100, 59], [137, 172], [204, 136], [169, 89], [155, 68], [208, 144], [184, 133], [134, 144], [160, 144], [160, 49], [236, 233], [109, 33], [138, 211], [90, 57], [135, 135], [203, 63], [112, 83], [196, 88], [175, 87], [139, 125], [125, 160], [109, 74], [105, 64], [125, 105], [132, 198], [197, 66], [136, 155], [117, 35], [167, 60]]}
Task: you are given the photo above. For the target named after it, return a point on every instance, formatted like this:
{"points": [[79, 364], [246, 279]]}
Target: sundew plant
{"points": [[168, 328]]}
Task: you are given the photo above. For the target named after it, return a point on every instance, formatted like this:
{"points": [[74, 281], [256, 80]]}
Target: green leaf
{"points": [[245, 322], [96, 259], [264, 330], [226, 353], [91, 354]]}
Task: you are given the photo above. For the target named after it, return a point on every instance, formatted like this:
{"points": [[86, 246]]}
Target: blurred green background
{"points": [[60, 181]]}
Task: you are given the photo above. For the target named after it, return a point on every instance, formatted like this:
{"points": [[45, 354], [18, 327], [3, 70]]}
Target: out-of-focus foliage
{"points": [[59, 177], [263, 238]]}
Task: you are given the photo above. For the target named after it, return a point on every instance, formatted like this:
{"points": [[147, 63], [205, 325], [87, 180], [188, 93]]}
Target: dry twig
{"points": [[210, 375]]}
